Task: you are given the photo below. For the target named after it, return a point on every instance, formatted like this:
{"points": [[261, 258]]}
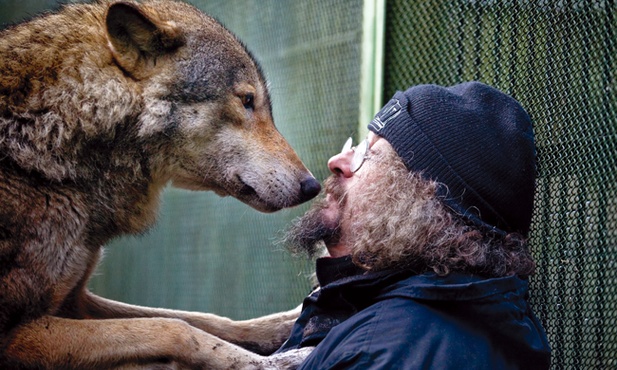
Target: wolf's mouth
{"points": [[249, 195], [246, 190]]}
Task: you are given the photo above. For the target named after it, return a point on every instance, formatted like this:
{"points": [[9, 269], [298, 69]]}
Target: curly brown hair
{"points": [[398, 222]]}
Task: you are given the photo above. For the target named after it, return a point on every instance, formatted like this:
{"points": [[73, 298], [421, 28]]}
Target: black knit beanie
{"points": [[475, 141]]}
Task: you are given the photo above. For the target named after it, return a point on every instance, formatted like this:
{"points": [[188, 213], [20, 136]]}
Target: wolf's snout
{"points": [[309, 188]]}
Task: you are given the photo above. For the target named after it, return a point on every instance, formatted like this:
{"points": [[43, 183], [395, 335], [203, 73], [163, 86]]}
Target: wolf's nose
{"points": [[310, 188]]}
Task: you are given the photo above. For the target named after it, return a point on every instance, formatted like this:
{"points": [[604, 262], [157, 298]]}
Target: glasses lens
{"points": [[347, 145], [359, 155]]}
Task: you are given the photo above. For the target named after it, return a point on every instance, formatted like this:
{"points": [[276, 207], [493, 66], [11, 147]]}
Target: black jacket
{"points": [[398, 320]]}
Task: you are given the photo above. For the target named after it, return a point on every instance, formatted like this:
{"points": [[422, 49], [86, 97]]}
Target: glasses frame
{"points": [[359, 153]]}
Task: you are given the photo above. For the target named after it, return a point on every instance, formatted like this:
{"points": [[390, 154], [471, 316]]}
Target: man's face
{"points": [[343, 187], [331, 219]]}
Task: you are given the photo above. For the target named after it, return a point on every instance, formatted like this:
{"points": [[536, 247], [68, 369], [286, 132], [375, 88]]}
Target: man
{"points": [[425, 223]]}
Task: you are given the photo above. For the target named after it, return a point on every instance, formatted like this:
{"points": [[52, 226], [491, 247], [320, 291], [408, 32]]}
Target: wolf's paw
{"points": [[288, 360]]}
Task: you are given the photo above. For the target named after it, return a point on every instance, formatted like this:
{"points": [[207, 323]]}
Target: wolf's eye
{"points": [[248, 101]]}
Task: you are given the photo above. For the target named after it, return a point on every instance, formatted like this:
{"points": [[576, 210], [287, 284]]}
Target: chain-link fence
{"points": [[558, 58]]}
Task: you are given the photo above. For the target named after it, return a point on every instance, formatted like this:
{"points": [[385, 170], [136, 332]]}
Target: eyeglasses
{"points": [[359, 153]]}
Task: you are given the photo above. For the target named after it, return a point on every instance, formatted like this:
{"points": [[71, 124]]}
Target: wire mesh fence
{"points": [[558, 58]]}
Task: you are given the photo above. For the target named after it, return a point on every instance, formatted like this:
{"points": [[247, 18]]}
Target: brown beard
{"points": [[310, 233], [384, 222]]}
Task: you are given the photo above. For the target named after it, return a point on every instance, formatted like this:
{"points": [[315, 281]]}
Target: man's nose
{"points": [[340, 164]]}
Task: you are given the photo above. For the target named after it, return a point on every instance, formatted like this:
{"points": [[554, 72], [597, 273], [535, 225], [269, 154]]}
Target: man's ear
{"points": [[138, 38]]}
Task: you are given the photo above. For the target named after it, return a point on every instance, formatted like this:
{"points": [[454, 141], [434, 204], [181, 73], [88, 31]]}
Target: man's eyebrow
{"points": [[372, 145]]}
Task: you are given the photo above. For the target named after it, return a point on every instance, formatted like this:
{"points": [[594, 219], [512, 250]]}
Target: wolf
{"points": [[102, 105]]}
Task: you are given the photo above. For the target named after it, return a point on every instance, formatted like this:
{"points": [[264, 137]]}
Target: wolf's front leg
{"points": [[289, 360], [262, 335], [58, 343]]}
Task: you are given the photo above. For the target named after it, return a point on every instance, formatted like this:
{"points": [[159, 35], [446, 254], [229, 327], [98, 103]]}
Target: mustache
{"points": [[332, 186], [309, 233]]}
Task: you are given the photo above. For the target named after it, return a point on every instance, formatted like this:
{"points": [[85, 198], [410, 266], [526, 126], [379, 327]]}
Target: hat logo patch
{"points": [[386, 114]]}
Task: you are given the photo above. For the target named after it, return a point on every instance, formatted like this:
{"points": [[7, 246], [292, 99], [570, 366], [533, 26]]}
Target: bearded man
{"points": [[425, 225]]}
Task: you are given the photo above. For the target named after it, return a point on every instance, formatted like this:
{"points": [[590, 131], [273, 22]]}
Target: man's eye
{"points": [[248, 101]]}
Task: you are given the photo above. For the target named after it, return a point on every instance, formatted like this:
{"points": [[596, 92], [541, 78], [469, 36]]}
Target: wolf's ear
{"points": [[137, 38]]}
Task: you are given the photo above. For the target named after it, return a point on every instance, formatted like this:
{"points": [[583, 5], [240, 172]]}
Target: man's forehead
{"points": [[372, 138]]}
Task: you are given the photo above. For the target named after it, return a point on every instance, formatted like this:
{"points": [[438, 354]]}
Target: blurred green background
{"points": [[327, 74]]}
